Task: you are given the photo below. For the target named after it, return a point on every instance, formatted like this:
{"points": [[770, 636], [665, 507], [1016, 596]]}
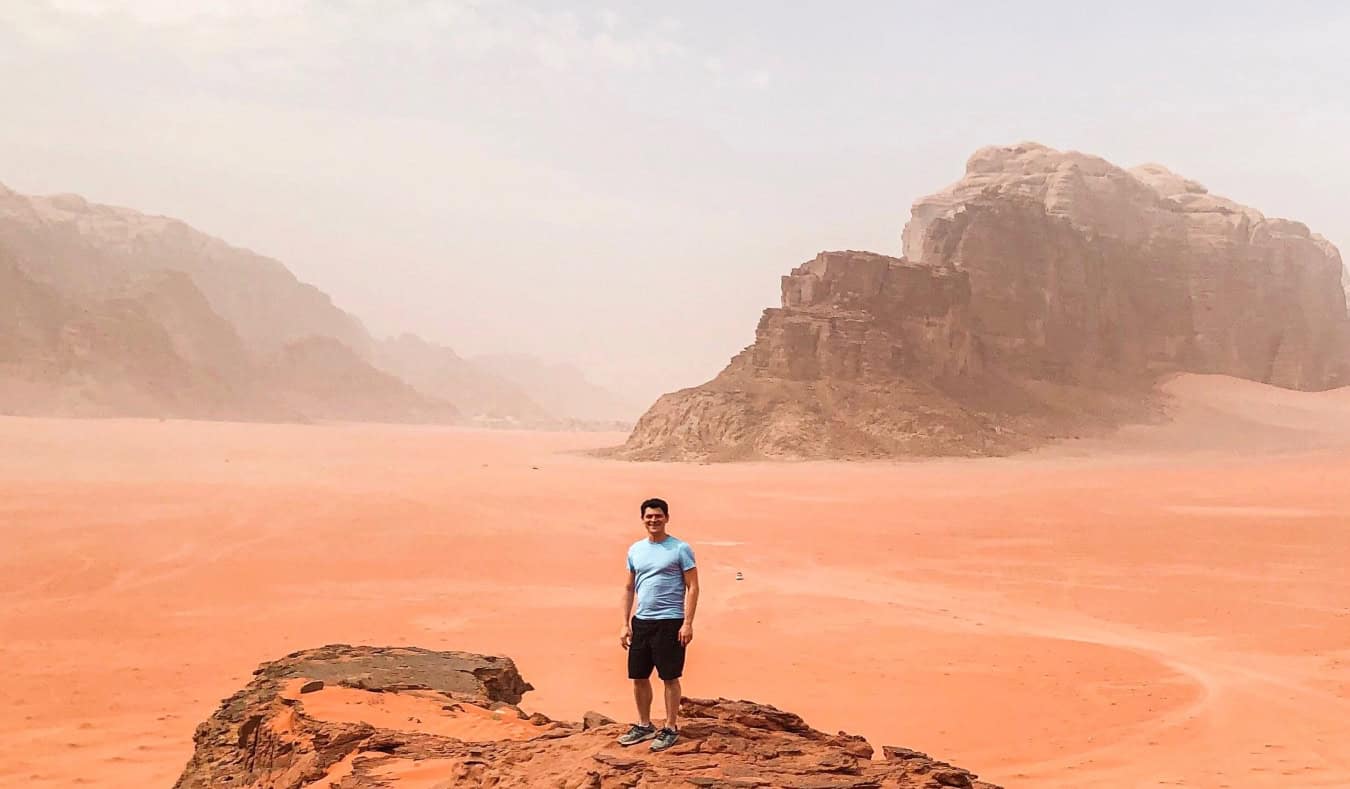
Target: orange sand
{"points": [[1169, 606], [411, 710]]}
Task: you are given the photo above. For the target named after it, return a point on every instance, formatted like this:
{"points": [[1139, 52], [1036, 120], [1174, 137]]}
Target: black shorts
{"points": [[656, 643]]}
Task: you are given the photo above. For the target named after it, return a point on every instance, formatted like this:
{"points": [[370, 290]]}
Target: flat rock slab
{"points": [[263, 736]]}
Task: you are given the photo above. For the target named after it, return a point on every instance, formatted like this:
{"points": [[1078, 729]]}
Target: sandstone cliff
{"points": [[1077, 266], [152, 350], [352, 717], [155, 348], [324, 379], [1040, 297], [88, 250], [112, 312], [870, 356]]}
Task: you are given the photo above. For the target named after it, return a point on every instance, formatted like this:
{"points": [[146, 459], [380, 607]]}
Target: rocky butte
{"points": [[342, 717], [1039, 297]]}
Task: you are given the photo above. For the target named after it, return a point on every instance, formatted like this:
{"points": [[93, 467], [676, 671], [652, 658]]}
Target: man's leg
{"points": [[670, 665], [673, 695], [642, 694], [640, 671]]}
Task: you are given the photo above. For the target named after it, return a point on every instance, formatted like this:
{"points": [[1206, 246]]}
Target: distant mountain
{"points": [[88, 250], [108, 312], [324, 379], [105, 311], [148, 351], [479, 394], [561, 389]]}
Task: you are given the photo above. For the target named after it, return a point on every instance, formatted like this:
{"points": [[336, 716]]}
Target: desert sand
{"points": [[1167, 606]]}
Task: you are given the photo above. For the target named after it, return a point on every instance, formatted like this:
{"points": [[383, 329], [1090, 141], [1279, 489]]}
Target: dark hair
{"points": [[659, 504]]}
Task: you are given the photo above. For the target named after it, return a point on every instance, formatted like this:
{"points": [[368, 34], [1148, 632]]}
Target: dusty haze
{"points": [[1164, 607], [507, 195], [503, 177]]}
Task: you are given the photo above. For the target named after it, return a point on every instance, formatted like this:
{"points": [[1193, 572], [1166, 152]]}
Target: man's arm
{"points": [[690, 605], [629, 592]]}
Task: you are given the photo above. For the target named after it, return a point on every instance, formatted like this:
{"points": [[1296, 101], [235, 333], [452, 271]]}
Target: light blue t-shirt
{"points": [[659, 569]]}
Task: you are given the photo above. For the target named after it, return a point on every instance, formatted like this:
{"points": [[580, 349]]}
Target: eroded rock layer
{"points": [[342, 717], [1041, 296], [1078, 266]]}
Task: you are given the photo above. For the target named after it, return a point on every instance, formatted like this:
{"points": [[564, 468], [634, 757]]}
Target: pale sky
{"points": [[620, 185]]}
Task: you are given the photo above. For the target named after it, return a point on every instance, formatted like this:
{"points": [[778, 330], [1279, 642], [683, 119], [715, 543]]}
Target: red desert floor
{"points": [[1169, 606]]}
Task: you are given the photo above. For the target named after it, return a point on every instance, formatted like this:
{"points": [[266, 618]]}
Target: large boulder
{"points": [[385, 716]]}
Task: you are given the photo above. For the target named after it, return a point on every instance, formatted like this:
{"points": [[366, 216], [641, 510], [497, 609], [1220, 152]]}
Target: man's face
{"points": [[654, 519]]}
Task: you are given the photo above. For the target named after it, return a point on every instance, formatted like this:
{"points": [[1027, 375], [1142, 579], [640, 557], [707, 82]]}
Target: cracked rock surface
{"points": [[407, 717]]}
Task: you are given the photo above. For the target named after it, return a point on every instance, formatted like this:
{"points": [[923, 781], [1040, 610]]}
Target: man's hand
{"points": [[686, 634], [626, 636]]}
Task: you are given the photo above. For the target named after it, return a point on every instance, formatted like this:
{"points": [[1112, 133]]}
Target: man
{"points": [[664, 580]]}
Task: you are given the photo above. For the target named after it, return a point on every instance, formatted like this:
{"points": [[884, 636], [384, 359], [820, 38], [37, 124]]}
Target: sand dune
{"points": [[1217, 414], [1167, 606]]}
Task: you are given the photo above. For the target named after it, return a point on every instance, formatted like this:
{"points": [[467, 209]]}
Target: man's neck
{"points": [[657, 537]]}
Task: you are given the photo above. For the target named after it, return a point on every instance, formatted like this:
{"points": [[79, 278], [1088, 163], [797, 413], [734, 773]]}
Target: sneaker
{"points": [[637, 734], [664, 739]]}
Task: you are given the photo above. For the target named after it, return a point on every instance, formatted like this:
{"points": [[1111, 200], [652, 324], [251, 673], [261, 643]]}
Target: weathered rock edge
{"points": [[259, 738]]}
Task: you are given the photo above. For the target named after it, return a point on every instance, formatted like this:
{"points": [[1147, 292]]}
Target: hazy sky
{"points": [[621, 185]]}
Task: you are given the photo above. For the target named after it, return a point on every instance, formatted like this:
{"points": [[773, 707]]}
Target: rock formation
{"points": [[437, 371], [562, 389], [1078, 266], [116, 313], [324, 379], [1039, 297], [505, 390], [152, 351], [155, 348], [88, 250], [111, 312], [343, 717]]}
